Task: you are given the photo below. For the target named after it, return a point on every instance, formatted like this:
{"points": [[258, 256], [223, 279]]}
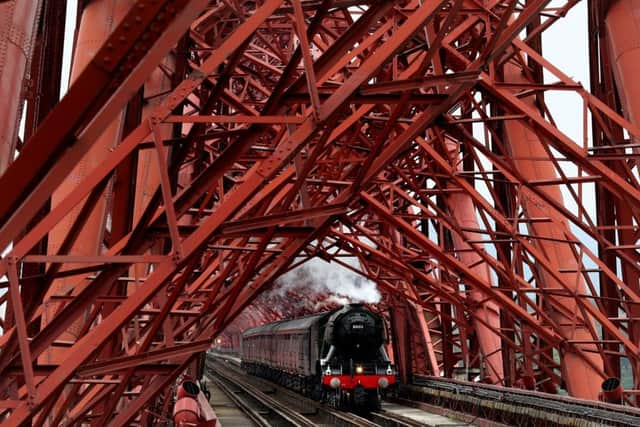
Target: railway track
{"points": [[517, 407], [242, 404], [264, 409], [489, 405], [266, 402], [289, 409]]}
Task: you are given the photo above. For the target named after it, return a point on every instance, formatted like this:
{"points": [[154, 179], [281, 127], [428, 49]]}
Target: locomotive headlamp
{"points": [[335, 382], [389, 371], [328, 371], [359, 369], [383, 382]]}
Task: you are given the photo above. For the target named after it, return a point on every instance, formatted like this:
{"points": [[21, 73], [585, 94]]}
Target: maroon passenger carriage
{"points": [[337, 356]]}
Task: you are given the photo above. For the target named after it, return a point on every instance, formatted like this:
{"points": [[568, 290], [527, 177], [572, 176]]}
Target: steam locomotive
{"points": [[338, 356]]}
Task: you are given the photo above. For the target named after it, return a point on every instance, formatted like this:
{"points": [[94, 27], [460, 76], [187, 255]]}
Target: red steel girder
{"points": [[269, 166]]}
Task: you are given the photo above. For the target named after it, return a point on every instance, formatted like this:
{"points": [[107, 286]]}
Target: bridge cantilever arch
{"points": [[205, 148]]}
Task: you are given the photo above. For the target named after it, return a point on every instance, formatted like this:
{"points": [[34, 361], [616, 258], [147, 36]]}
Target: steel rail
{"points": [[240, 403], [287, 397], [339, 418], [287, 414], [590, 411]]}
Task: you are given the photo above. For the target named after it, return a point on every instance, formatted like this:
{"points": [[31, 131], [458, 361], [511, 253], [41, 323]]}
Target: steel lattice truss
{"points": [[411, 135]]}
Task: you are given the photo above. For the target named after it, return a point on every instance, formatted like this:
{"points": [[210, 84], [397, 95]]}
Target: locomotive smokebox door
{"points": [[358, 329]]}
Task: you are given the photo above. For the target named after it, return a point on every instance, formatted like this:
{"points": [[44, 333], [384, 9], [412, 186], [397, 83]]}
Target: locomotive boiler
{"points": [[338, 357]]}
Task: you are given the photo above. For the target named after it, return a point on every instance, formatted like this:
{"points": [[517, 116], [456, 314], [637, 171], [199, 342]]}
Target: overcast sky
{"points": [[72, 5], [566, 46]]}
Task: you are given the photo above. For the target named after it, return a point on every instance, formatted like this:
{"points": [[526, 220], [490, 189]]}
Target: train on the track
{"points": [[338, 357]]}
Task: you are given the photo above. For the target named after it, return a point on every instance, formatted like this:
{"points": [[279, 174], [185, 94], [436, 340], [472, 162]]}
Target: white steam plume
{"points": [[342, 284]]}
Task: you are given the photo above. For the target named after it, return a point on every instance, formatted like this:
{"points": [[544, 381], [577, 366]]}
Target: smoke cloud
{"points": [[312, 287], [340, 284]]}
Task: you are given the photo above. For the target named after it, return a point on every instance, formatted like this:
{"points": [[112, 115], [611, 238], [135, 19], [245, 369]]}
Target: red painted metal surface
{"points": [[97, 23], [18, 26], [349, 382], [222, 144], [192, 408]]}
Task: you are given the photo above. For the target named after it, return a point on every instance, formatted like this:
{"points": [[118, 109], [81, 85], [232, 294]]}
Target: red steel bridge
{"points": [[204, 148]]}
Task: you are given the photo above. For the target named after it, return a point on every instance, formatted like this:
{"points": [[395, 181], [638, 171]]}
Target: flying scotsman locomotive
{"points": [[338, 357]]}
